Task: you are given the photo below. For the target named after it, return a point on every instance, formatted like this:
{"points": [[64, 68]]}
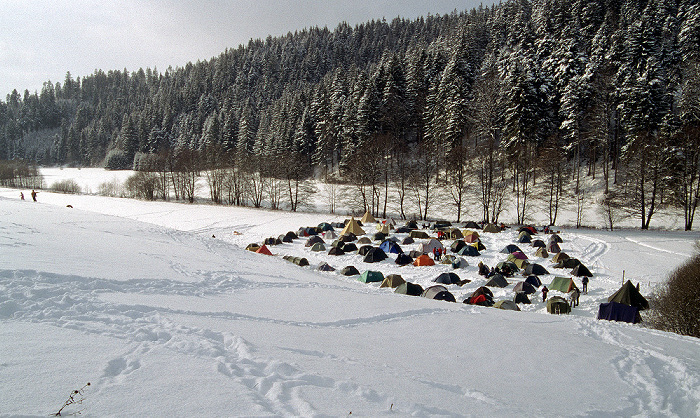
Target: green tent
{"points": [[419, 234], [629, 295], [562, 284], [299, 261], [371, 276], [557, 305], [318, 247]]}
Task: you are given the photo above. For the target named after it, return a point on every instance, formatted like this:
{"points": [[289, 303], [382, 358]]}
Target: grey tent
{"points": [[534, 281], [581, 271], [560, 256], [457, 245], [535, 269], [374, 255], [364, 249], [336, 251], [313, 240], [325, 267], [299, 261], [470, 251], [349, 271], [318, 247], [472, 225], [419, 234], [568, 263], [408, 288], [521, 297], [364, 241], [438, 292], [524, 237], [510, 249], [553, 247], [538, 243], [524, 287], [447, 278], [497, 280], [407, 240], [506, 304], [555, 238]]}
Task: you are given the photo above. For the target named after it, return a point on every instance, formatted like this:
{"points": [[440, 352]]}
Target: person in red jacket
{"points": [[544, 293]]}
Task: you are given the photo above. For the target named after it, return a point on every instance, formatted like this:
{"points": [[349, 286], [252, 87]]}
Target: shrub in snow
{"points": [[675, 305], [66, 186], [75, 398]]}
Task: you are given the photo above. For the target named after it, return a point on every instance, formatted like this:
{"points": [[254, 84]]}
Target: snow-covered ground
{"points": [[158, 305]]}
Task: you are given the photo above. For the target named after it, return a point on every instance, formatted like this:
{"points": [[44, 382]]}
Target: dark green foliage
{"points": [[675, 305]]}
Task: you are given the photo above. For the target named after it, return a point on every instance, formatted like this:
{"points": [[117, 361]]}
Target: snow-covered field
{"points": [[158, 306]]}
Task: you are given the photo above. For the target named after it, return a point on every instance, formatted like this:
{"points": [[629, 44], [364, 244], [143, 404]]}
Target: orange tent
{"points": [[423, 260], [264, 250]]}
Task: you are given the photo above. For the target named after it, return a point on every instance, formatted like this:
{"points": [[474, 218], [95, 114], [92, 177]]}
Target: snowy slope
{"points": [[165, 320]]}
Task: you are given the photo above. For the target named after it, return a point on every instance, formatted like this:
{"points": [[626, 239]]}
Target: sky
{"points": [[42, 40]]}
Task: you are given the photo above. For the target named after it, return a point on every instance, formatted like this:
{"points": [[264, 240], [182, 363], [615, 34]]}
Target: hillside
{"points": [[159, 307]]}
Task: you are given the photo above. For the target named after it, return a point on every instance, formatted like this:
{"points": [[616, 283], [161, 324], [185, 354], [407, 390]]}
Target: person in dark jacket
{"points": [[34, 195], [544, 293], [584, 281]]}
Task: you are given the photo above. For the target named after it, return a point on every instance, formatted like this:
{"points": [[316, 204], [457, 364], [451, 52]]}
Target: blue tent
{"points": [[390, 246], [613, 311]]}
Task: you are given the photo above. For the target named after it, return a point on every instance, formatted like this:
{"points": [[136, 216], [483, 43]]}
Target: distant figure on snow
{"points": [[34, 195], [584, 281], [544, 293], [21, 195]]}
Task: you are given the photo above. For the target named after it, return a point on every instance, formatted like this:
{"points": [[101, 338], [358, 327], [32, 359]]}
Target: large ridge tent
{"points": [[629, 295], [614, 311]]}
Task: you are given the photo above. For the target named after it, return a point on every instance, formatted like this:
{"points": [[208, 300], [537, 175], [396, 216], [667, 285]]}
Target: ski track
{"points": [[73, 302], [647, 371]]}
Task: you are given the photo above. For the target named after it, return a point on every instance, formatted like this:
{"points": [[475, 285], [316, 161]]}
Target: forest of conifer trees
{"points": [[499, 99]]}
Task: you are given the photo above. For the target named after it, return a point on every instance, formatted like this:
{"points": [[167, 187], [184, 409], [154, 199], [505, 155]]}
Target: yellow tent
{"points": [[383, 228], [367, 218], [353, 227]]}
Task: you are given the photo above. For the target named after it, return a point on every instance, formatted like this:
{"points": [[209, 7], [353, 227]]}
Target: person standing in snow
{"points": [[34, 195], [584, 281], [544, 293], [21, 195]]}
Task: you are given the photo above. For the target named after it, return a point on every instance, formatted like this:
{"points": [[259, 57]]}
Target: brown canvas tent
{"points": [[367, 218], [353, 227]]}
